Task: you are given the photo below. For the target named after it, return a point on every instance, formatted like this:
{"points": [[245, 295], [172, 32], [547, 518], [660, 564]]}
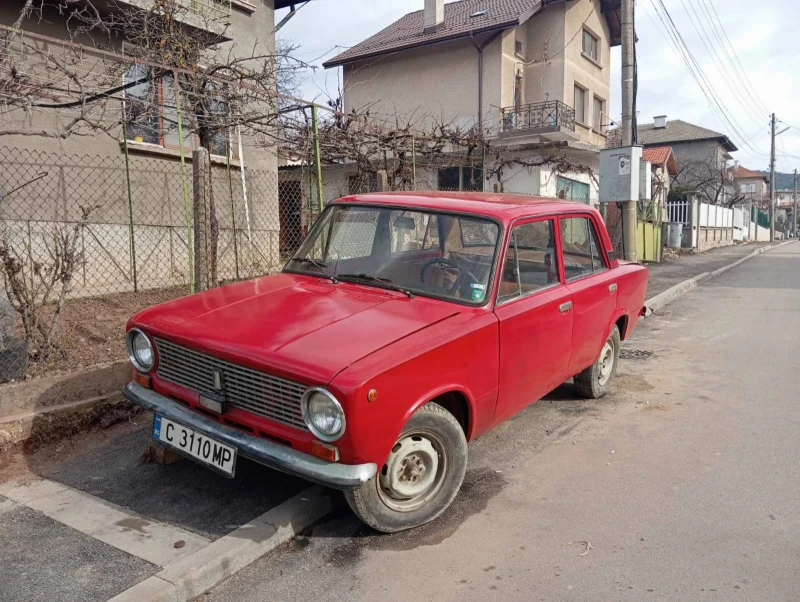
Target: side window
{"points": [[598, 263], [352, 234], [432, 234], [531, 261], [580, 248]]}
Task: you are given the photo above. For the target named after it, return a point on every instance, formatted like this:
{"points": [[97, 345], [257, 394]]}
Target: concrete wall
{"points": [[708, 238], [439, 81]]}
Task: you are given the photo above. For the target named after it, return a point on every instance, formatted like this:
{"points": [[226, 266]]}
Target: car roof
{"points": [[503, 207]]}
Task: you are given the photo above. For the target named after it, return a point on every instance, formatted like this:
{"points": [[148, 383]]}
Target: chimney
{"points": [[661, 122], [434, 15]]}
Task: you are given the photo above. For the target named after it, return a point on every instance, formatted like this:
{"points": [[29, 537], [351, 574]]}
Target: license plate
{"points": [[213, 454]]}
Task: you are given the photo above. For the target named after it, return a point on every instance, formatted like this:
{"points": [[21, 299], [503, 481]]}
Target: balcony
{"points": [[212, 16], [548, 117]]}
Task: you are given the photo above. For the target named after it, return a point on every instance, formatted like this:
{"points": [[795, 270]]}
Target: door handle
{"points": [[612, 287], [565, 307]]}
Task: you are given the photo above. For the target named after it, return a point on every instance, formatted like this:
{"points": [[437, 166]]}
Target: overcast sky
{"points": [[763, 34]]}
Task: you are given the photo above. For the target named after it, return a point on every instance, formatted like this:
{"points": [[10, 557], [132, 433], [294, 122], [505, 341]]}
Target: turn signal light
{"points": [[324, 451], [141, 379]]}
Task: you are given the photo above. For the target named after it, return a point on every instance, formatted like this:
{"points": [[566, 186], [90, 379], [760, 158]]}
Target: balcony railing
{"points": [[214, 10], [544, 116], [206, 14]]}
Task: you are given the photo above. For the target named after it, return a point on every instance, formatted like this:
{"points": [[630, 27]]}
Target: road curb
{"points": [[679, 290], [196, 574]]}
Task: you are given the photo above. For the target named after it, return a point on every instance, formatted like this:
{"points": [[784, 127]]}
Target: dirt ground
{"points": [[91, 330]]}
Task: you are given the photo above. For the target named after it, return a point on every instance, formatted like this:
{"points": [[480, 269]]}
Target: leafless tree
{"points": [[37, 284], [711, 178]]}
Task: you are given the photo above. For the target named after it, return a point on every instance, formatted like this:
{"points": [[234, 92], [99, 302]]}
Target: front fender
{"points": [[460, 354]]}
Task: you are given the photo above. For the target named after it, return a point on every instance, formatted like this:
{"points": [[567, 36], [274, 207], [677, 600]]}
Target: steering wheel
{"points": [[458, 284]]}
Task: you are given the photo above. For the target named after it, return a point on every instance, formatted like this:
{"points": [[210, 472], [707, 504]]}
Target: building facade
{"points": [[137, 236], [532, 76]]}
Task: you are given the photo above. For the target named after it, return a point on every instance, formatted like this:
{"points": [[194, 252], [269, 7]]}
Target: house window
{"points": [[518, 48], [580, 104], [572, 190], [151, 113], [598, 108], [591, 46], [468, 177]]}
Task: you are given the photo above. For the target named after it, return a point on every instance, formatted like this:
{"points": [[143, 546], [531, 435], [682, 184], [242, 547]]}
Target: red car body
{"points": [[488, 362]]}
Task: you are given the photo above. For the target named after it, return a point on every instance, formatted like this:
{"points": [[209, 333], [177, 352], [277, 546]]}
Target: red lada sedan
{"points": [[406, 325]]}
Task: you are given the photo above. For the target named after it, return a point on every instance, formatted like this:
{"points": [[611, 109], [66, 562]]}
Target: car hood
{"points": [[296, 326]]}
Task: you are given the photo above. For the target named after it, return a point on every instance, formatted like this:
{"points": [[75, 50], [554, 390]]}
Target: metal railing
{"points": [[214, 10], [549, 115]]}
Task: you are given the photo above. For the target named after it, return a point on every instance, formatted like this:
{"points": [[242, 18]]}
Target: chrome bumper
{"points": [[273, 455]]}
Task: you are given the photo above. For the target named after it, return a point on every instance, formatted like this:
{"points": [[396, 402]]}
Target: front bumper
{"points": [[273, 455]]}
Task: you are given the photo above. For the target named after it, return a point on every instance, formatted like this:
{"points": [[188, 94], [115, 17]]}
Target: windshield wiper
{"points": [[317, 264], [370, 278]]}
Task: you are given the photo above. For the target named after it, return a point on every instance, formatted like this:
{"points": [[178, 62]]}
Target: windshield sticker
{"points": [[477, 294], [476, 285]]}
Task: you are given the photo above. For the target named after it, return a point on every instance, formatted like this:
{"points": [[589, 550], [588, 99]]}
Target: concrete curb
{"points": [[49, 408], [196, 574], [679, 290]]}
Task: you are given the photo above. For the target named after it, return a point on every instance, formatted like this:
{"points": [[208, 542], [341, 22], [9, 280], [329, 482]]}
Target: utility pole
{"points": [[772, 184], [629, 206], [794, 207]]}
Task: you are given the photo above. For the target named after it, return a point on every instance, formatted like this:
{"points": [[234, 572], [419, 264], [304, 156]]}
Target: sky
{"points": [[747, 61]]}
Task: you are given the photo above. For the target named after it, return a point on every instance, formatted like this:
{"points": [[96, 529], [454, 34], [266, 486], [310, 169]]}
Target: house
{"points": [[139, 231], [663, 169], [753, 186], [533, 76], [701, 156]]}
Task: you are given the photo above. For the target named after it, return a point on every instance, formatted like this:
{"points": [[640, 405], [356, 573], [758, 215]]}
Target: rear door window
{"points": [[531, 260], [580, 247]]}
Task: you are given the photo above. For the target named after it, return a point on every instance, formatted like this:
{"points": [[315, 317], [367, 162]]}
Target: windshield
{"points": [[438, 254]]}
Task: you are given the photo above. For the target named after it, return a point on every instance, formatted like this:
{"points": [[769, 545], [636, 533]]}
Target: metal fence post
{"points": [[233, 211], [413, 163], [130, 209], [317, 165], [190, 242]]}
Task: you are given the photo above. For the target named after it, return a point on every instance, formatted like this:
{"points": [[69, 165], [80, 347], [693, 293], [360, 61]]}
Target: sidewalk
{"points": [[669, 273]]}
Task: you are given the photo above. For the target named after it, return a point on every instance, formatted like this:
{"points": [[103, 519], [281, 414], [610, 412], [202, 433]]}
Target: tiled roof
{"points": [[659, 155], [408, 31], [679, 131], [749, 174]]}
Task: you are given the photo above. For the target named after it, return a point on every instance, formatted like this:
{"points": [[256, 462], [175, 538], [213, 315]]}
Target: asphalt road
{"points": [[682, 485]]}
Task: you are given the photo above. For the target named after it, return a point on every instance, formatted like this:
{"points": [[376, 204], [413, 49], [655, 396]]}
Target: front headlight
{"points": [[140, 350], [323, 414]]}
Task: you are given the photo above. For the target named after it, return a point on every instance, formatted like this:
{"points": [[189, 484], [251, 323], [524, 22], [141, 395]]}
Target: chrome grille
{"points": [[262, 394]]}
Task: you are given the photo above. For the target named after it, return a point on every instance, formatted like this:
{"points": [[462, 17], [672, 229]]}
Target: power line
{"points": [[717, 59], [743, 74], [697, 72]]}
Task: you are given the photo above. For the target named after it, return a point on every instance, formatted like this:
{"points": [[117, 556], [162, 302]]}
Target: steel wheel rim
{"points": [[413, 473], [606, 363]]}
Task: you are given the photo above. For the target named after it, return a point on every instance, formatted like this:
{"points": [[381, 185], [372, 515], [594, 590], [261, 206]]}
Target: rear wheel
{"points": [[421, 476], [595, 381]]}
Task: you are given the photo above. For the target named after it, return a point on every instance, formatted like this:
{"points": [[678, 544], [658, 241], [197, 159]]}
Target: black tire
{"points": [[439, 429], [594, 382]]}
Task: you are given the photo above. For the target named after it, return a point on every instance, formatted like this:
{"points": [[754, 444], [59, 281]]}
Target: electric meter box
{"points": [[619, 174]]}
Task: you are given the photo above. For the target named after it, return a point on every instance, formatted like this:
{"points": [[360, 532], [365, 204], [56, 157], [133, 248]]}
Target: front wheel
{"points": [[595, 381], [421, 476]]}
